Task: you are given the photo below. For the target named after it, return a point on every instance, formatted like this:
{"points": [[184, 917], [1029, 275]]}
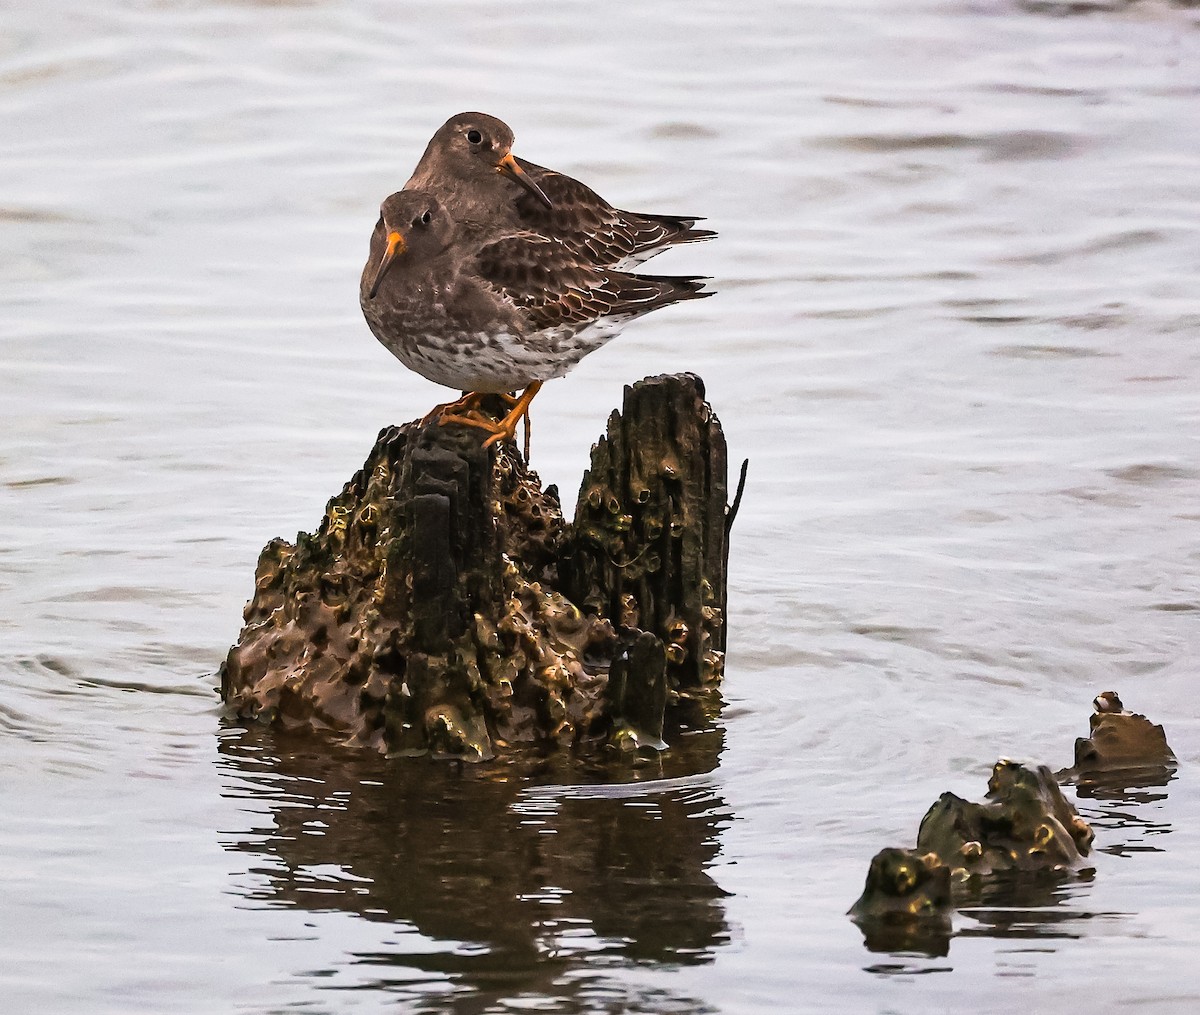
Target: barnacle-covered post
{"points": [[443, 605], [649, 545]]}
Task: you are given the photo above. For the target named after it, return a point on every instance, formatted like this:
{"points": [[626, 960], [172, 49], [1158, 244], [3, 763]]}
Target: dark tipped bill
{"points": [[395, 247], [510, 168]]}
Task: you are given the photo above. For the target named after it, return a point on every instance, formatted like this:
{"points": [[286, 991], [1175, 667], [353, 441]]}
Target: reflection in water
{"points": [[1005, 904], [517, 885], [1123, 800], [1028, 905], [965, 374], [912, 937]]}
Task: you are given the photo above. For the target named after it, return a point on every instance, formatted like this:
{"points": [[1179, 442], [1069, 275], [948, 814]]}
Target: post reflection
{"points": [[510, 877], [1124, 806]]}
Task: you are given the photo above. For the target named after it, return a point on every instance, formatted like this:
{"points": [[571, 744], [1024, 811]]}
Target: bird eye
{"points": [[426, 219], [474, 136]]}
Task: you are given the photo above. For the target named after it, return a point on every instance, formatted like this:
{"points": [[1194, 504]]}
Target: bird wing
{"points": [[605, 235], [555, 287]]}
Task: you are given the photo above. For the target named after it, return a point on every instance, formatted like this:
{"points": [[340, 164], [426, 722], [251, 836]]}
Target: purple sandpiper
{"points": [[469, 167], [494, 316]]}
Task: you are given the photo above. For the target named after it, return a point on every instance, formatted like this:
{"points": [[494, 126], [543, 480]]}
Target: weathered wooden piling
{"points": [[445, 606]]}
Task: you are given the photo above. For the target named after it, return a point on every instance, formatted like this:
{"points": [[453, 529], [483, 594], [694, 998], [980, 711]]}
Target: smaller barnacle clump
{"points": [[906, 902], [444, 605], [1024, 827], [1025, 824], [1121, 740]]}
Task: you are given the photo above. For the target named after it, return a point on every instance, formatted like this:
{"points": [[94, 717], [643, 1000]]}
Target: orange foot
{"points": [[507, 427], [455, 411], [466, 412]]}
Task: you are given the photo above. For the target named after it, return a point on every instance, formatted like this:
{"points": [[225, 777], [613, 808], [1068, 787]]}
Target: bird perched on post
{"points": [[493, 315], [491, 274]]}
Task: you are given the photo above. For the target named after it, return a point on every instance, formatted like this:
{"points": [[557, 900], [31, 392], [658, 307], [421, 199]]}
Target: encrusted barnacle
{"points": [[485, 634], [556, 674], [555, 708], [337, 519], [450, 735], [629, 610], [1082, 833], [905, 891], [1022, 825], [712, 665], [379, 588], [624, 739]]}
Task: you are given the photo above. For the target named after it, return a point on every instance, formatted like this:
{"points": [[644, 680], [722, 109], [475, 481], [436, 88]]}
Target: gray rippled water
{"points": [[956, 335]]}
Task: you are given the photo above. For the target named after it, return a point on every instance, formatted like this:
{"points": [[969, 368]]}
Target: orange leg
{"points": [[466, 412], [475, 419], [507, 427], [455, 410]]}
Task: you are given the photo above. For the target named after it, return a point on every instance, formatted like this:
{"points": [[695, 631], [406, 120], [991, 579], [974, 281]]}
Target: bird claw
{"points": [[466, 412]]}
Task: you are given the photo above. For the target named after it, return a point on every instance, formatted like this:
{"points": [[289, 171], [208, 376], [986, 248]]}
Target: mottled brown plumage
{"points": [[469, 167], [496, 315]]}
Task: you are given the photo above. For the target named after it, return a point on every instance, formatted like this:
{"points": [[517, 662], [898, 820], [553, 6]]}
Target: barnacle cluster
{"points": [[432, 612], [906, 902], [1025, 823], [1121, 740], [1024, 826]]}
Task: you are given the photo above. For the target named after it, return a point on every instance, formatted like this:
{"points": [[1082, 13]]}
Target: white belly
{"points": [[497, 361]]}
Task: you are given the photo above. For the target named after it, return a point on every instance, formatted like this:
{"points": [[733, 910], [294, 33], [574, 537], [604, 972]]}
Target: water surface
{"points": [[956, 335]]}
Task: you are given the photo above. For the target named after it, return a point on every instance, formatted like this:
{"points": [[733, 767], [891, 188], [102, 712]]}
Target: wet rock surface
{"points": [[1025, 823], [906, 902], [1120, 739], [445, 606]]}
